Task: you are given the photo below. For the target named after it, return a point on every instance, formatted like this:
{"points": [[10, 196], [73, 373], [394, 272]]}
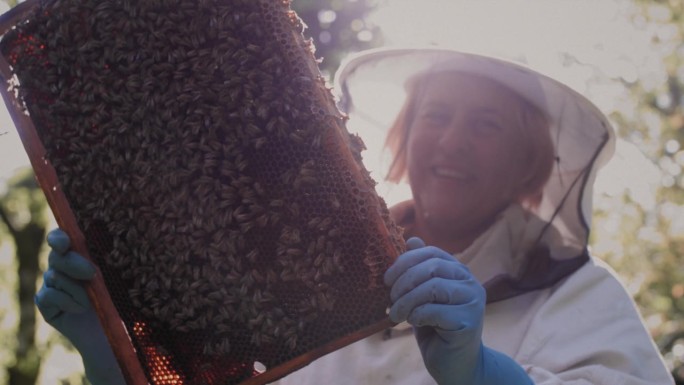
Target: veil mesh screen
{"points": [[217, 189]]}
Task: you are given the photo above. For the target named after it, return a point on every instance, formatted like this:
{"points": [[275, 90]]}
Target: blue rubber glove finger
{"points": [[72, 288], [426, 270], [414, 243], [435, 291], [53, 303], [411, 258], [72, 264], [446, 319], [458, 332], [58, 241]]}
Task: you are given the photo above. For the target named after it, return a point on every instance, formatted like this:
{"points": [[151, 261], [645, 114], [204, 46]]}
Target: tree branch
{"points": [[5, 218]]}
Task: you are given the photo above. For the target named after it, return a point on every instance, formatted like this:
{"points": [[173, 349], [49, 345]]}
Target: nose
{"points": [[455, 135]]}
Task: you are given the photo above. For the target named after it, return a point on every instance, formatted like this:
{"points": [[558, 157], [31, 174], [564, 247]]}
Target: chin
{"points": [[439, 214]]}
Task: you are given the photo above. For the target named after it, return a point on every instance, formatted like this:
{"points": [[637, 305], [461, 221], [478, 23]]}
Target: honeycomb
{"points": [[211, 175]]}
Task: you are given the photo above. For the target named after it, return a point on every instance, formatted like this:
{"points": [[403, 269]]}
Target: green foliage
{"points": [[337, 28], [648, 236], [22, 214], [23, 201]]}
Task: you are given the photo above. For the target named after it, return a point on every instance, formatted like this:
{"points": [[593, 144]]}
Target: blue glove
{"points": [[64, 304], [436, 294]]}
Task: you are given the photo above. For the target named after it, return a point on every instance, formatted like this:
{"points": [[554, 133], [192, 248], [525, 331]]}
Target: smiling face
{"points": [[465, 154]]}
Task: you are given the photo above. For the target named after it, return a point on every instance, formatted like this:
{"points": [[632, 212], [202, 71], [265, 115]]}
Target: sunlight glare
{"points": [[386, 100], [585, 44]]}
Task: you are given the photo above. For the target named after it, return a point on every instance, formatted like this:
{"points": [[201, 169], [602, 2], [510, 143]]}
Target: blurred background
{"points": [[627, 56]]}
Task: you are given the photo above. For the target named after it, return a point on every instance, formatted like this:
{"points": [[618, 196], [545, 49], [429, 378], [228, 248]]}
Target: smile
{"points": [[451, 173]]}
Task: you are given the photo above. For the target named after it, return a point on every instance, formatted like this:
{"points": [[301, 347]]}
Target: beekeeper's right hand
{"points": [[64, 304]]}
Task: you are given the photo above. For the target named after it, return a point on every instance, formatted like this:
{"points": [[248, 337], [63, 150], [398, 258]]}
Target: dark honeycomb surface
{"points": [[208, 178]]}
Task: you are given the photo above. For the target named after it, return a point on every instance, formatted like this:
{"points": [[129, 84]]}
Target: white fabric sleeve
{"points": [[589, 332]]}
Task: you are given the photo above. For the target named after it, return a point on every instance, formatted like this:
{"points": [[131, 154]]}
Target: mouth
{"points": [[451, 173]]}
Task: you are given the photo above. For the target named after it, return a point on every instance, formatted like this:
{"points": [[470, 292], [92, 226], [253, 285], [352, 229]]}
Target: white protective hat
{"points": [[583, 138]]}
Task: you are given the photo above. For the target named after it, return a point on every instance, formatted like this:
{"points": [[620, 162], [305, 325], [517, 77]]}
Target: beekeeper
{"points": [[498, 285], [501, 161]]}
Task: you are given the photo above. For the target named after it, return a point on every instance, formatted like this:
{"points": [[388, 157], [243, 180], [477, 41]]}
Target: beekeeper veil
{"points": [[370, 88]]}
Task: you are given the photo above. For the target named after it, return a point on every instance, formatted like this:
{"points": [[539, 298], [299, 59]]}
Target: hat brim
{"points": [[370, 87]]}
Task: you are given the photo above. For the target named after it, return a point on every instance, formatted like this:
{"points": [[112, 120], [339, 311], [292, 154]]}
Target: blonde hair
{"points": [[538, 148]]}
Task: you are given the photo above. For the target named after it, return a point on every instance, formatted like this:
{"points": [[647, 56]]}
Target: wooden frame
{"points": [[113, 325]]}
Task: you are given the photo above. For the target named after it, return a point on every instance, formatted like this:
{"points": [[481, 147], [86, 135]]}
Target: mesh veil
{"points": [[582, 136]]}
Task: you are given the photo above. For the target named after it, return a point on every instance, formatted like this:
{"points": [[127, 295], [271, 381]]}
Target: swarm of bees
{"points": [[209, 170]]}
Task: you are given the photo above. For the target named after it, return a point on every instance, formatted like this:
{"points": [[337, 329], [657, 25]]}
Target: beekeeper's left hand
{"points": [[64, 304], [439, 296]]}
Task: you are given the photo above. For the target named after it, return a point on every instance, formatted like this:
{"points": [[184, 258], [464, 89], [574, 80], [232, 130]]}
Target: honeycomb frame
{"points": [[192, 199]]}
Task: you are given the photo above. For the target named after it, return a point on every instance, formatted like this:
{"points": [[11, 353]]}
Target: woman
{"points": [[500, 160]]}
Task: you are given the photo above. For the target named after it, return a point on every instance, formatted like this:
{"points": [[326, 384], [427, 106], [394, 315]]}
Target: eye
{"points": [[435, 118], [487, 126]]}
